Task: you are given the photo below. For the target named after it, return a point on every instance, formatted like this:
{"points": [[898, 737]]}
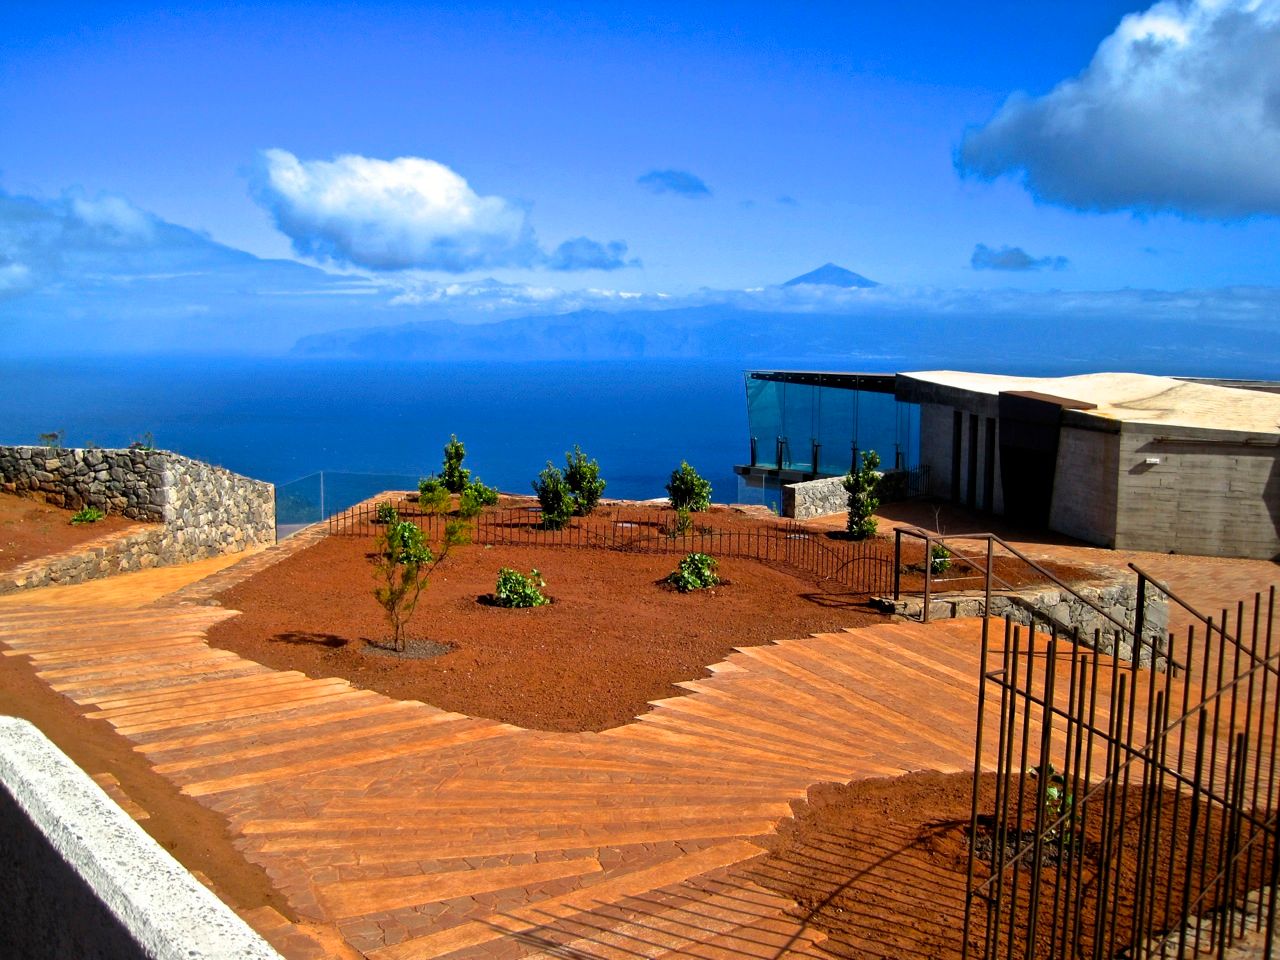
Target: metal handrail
{"points": [[990, 577], [1206, 620]]}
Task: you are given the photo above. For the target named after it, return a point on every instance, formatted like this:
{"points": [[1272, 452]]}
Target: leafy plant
{"points": [[486, 496], [433, 497], [452, 474], [688, 490], [939, 559], [583, 477], [52, 439], [146, 442], [87, 515], [682, 524], [554, 496], [474, 499], [514, 589], [696, 571], [386, 513], [402, 563], [1059, 805], [861, 486]]}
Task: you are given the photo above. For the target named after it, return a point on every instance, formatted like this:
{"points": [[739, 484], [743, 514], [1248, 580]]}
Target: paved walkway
{"points": [[422, 833]]}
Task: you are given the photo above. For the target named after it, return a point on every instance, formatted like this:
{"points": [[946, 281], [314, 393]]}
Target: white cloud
{"points": [[391, 214], [1178, 111]]}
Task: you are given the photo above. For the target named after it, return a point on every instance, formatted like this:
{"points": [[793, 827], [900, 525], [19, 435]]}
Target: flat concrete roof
{"points": [[1133, 398]]}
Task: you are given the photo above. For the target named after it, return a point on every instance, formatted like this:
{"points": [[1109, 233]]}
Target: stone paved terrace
{"points": [[396, 830]]}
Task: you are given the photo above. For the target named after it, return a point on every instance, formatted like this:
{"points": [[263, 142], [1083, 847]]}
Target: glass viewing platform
{"points": [[806, 425]]}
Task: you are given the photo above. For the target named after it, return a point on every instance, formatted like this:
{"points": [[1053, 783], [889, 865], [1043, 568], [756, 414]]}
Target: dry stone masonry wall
{"points": [[814, 498], [199, 510]]}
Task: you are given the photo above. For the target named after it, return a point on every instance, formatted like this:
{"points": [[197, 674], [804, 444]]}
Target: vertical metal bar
{"points": [[977, 781], [1042, 786], [897, 564], [1197, 787], [1004, 763], [1022, 779], [928, 568]]}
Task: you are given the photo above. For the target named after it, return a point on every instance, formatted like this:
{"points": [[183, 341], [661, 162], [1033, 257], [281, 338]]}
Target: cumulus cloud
{"points": [[391, 214], [1012, 258], [408, 214], [680, 182], [582, 253], [1178, 111]]}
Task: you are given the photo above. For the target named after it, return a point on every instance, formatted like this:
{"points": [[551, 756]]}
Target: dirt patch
{"points": [[613, 638], [30, 530], [880, 866]]}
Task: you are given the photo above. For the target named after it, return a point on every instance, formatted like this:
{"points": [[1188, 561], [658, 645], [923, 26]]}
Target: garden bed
{"points": [[614, 637], [30, 530]]}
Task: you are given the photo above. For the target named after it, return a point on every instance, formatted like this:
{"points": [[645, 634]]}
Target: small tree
{"points": [[402, 563], [554, 496], [861, 486], [452, 473], [433, 498], [688, 490], [583, 477]]}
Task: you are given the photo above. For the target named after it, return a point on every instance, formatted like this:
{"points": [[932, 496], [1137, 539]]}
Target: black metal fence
{"points": [[858, 567], [1130, 813]]}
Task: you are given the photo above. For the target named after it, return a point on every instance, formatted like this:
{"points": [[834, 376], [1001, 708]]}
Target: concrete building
{"points": [[1117, 459]]}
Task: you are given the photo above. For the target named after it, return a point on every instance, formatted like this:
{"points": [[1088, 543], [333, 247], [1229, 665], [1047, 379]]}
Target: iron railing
{"points": [[1121, 812], [857, 567]]}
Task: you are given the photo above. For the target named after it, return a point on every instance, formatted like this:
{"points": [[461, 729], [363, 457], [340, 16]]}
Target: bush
{"points": [[697, 571], [687, 490], [484, 495], [474, 499], [454, 477], [583, 477], [554, 496], [87, 515], [386, 513], [939, 559], [514, 589], [433, 497], [682, 524], [861, 486]]}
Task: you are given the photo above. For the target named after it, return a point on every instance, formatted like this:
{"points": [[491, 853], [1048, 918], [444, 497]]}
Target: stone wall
{"points": [[199, 510], [1053, 606], [814, 498], [80, 879]]}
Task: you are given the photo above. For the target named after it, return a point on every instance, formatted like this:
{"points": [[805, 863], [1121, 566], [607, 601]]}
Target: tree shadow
{"points": [[303, 638]]}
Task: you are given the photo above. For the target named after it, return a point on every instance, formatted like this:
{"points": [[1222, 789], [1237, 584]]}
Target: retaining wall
{"points": [[814, 498], [199, 510], [1055, 606], [80, 879]]}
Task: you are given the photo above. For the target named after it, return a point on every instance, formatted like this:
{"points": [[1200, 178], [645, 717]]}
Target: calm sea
{"points": [[279, 420]]}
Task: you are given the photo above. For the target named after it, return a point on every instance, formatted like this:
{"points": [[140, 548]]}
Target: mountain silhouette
{"points": [[830, 275]]}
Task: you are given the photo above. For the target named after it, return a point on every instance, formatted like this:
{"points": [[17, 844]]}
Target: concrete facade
{"points": [[1118, 460]]}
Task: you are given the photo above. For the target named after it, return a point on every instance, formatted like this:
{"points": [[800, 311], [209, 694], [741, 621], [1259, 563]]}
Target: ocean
{"points": [[281, 420]]}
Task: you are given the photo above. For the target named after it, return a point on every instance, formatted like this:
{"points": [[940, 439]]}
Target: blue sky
{"points": [[153, 156]]}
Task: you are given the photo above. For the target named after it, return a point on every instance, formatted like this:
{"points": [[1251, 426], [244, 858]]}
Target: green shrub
{"points": [[386, 513], [87, 515], [486, 496], [554, 496], [470, 503], [52, 439], [452, 474], [682, 524], [514, 589], [583, 477], [433, 497], [696, 571], [688, 490], [939, 559], [861, 486]]}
